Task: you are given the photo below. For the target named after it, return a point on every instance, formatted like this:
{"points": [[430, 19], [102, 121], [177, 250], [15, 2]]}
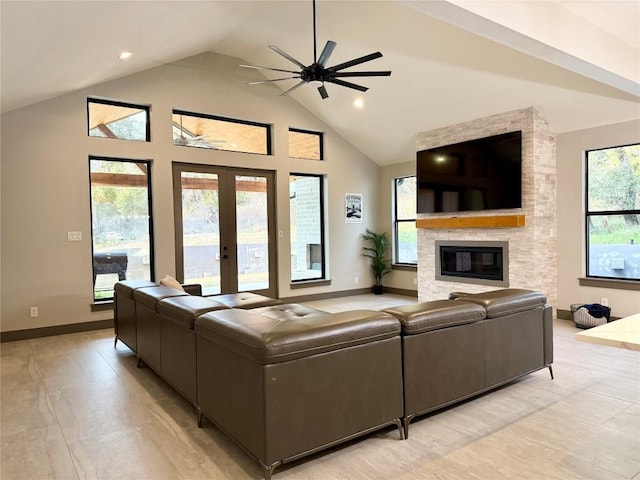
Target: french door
{"points": [[225, 228]]}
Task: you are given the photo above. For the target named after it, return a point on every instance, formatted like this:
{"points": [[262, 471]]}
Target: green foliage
{"points": [[376, 250], [614, 179]]}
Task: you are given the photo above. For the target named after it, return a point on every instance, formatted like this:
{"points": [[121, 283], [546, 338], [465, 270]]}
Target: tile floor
{"points": [[73, 407]]}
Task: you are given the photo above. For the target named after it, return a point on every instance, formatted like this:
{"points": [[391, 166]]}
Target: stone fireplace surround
{"points": [[532, 247]]}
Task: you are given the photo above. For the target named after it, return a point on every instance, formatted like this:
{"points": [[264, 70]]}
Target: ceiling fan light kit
{"points": [[317, 74]]}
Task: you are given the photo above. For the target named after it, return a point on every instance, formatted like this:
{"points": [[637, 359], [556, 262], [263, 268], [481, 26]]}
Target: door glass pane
{"points": [[121, 232], [252, 233], [201, 230]]}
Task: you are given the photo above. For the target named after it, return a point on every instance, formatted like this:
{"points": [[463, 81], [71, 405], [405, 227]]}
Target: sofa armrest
{"points": [[193, 289]]}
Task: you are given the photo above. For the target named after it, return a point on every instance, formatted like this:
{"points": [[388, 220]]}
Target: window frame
{"points": [[600, 213], [320, 136], [218, 118], [396, 222], [149, 196], [321, 200], [119, 103]]}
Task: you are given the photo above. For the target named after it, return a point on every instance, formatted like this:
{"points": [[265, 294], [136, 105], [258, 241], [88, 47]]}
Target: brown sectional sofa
{"points": [[285, 381], [455, 349]]}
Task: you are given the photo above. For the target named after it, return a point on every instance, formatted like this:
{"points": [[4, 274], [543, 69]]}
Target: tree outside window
{"points": [[613, 212]]}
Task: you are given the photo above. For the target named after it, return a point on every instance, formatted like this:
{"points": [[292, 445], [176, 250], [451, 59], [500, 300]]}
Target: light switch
{"points": [[74, 236]]}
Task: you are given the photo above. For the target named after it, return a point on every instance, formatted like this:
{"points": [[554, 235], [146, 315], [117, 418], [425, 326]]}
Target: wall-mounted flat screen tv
{"points": [[482, 174]]}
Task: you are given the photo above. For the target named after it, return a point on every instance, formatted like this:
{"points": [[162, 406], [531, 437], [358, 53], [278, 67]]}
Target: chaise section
{"points": [[443, 354], [288, 386], [518, 333], [148, 322], [124, 316], [454, 349], [178, 340]]}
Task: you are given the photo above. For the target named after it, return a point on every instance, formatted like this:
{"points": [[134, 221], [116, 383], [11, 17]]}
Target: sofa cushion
{"points": [[185, 309], [288, 311], [426, 316], [149, 297], [125, 288], [507, 301], [267, 340], [245, 300]]}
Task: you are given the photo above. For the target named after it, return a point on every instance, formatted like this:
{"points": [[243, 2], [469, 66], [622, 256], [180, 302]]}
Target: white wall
{"points": [[570, 153], [402, 279], [45, 183]]}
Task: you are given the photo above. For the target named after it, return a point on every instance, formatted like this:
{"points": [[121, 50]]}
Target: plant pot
{"points": [[378, 289]]}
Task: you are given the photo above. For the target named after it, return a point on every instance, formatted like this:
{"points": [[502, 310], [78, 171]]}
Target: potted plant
{"points": [[376, 250]]}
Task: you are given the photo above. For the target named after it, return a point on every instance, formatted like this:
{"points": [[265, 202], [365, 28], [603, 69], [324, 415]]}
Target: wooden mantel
{"points": [[485, 221]]}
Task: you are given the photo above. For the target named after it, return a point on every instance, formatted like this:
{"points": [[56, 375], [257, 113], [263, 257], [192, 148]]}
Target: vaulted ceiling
{"points": [[576, 62]]}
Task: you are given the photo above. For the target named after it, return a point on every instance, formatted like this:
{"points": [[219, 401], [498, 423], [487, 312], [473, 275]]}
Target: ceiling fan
{"points": [[318, 73], [185, 138]]}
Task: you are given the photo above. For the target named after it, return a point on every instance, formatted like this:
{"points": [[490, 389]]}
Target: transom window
{"points": [[305, 144], [112, 119], [405, 245], [218, 133], [613, 212]]}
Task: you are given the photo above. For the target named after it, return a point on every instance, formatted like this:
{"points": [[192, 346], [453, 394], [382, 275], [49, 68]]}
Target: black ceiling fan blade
{"points": [[287, 56], [361, 74], [323, 92], [292, 88], [326, 52], [347, 84], [355, 61], [270, 81], [257, 67]]}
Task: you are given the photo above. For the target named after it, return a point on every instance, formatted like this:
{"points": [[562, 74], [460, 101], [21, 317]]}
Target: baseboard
{"points": [[401, 291], [566, 315], [16, 335], [346, 293]]}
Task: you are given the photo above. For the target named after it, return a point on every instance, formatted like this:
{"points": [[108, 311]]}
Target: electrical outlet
{"points": [[415, 281], [356, 280], [604, 301], [33, 312]]}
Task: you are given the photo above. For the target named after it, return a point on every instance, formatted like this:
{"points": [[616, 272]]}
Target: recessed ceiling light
{"points": [[358, 103], [125, 55]]}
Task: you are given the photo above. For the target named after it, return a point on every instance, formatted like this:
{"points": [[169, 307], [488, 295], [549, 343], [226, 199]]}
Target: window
{"points": [[305, 144], [613, 212], [110, 119], [404, 225], [120, 222], [219, 133], [306, 202]]}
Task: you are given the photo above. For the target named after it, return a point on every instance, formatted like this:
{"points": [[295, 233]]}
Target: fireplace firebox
{"points": [[485, 263]]}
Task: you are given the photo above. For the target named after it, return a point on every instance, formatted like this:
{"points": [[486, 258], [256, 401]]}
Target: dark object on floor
{"points": [[590, 315]]}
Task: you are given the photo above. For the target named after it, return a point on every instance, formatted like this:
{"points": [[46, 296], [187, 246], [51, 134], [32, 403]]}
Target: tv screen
{"points": [[482, 174]]}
